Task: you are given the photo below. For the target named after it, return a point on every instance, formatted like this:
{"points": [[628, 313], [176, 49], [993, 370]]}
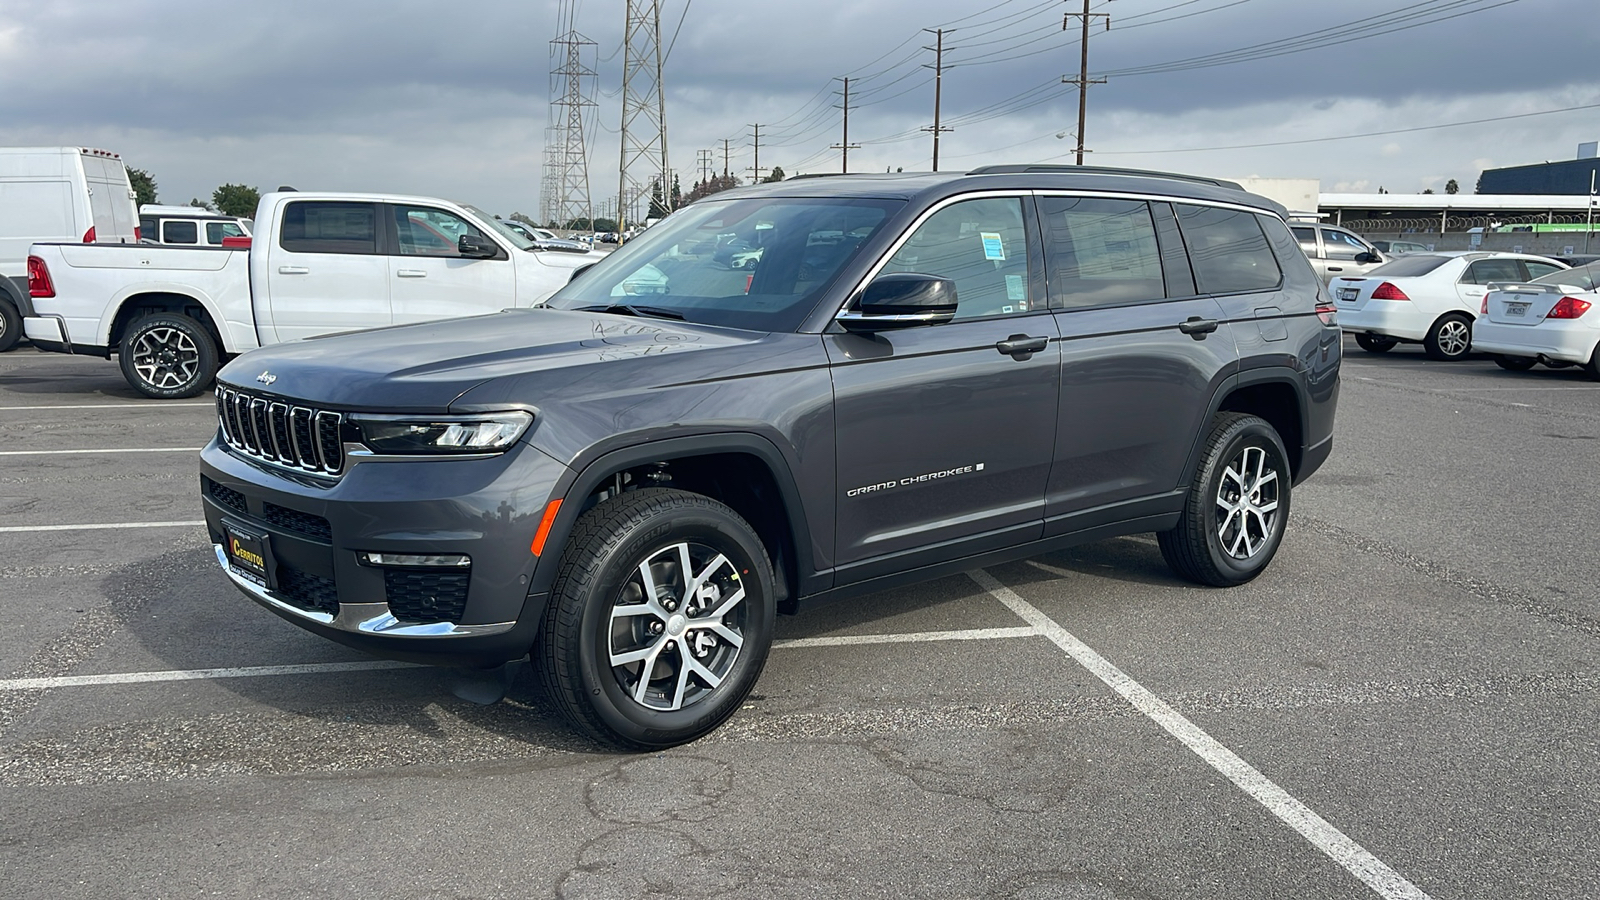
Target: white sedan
{"points": [[1551, 320], [1430, 298]]}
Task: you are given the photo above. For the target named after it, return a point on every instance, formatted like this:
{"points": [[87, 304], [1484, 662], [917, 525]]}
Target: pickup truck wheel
{"points": [[659, 621], [10, 324], [168, 356], [1235, 513]]}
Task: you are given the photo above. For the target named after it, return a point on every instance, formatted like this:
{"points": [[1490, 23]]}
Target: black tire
{"points": [[10, 323], [1515, 363], [168, 356], [1375, 343], [1204, 548], [1450, 338], [1593, 365], [602, 569]]}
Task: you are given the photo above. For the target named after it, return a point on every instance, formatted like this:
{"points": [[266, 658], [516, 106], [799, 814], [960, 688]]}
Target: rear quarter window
{"points": [[315, 226], [1228, 250]]}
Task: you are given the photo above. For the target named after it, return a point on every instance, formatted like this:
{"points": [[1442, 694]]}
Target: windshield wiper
{"points": [[629, 309]]}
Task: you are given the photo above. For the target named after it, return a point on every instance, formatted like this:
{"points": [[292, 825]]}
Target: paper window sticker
{"points": [[992, 246], [1015, 288]]}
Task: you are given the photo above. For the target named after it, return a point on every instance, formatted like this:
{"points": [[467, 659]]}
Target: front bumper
{"points": [[1391, 318], [1567, 341], [309, 534]]}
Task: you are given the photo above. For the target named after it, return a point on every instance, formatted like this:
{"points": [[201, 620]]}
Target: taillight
{"points": [[136, 234], [1327, 312], [1484, 309], [1387, 291], [39, 284], [237, 242], [88, 236], [1568, 308]]}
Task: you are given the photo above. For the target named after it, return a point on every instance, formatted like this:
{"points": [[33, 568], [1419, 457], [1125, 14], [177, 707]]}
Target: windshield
{"points": [[1410, 264], [1583, 276], [499, 227], [759, 264]]}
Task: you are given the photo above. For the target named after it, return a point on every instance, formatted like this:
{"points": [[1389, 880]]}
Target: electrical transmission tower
{"points": [[553, 148], [569, 199], [938, 84], [644, 112], [1083, 80]]}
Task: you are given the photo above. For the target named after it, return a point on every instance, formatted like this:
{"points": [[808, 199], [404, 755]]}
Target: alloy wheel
{"points": [[1247, 503], [166, 357]]}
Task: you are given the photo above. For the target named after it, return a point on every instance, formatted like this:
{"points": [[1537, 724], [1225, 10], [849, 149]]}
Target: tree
{"points": [[236, 200], [144, 186], [711, 186], [658, 203], [777, 175], [1427, 190], [677, 192], [519, 217], [1450, 187]]}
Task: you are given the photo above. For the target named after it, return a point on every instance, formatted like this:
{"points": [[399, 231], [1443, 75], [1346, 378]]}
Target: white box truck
{"points": [[62, 194]]}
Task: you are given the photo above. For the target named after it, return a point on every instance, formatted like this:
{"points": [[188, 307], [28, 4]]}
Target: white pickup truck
{"points": [[318, 263]]}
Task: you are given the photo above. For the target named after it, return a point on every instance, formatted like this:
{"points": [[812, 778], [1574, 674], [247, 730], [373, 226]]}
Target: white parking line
{"points": [[39, 684], [1383, 880], [114, 450], [99, 526], [975, 634], [106, 406]]}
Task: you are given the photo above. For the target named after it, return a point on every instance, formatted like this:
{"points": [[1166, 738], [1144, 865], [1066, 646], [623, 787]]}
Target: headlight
{"points": [[412, 435]]}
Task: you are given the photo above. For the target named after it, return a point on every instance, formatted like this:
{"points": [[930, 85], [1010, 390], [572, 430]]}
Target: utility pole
{"points": [[938, 83], [644, 110], [725, 142], [704, 164], [845, 146], [1083, 80], [756, 169]]}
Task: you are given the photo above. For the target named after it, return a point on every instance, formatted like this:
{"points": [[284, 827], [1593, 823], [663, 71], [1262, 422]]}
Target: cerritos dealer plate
{"points": [[247, 552]]}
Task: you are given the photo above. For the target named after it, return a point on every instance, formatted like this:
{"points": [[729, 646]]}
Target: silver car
{"points": [[1333, 251]]}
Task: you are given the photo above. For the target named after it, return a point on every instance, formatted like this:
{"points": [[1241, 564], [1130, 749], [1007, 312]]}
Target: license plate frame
{"points": [[1514, 308], [249, 553], [1349, 295]]}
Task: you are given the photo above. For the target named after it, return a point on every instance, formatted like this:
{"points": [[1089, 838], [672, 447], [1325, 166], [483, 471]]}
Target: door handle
{"points": [[293, 270], [1335, 268], [1022, 346], [1198, 328], [412, 273]]}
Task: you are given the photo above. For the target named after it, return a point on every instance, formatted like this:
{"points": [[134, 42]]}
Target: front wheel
{"points": [[1449, 339], [10, 324], [1234, 515], [659, 621], [1515, 363], [168, 356], [1375, 343]]}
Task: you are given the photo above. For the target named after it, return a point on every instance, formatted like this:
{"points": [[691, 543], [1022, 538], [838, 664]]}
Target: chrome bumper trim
{"points": [[361, 618]]}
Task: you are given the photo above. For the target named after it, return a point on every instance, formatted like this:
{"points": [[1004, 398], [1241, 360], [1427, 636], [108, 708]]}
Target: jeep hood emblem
{"points": [[266, 378]]}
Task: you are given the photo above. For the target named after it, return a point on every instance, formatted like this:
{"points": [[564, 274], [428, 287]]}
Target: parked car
{"points": [[56, 194], [544, 238], [1395, 248], [321, 263], [1430, 298], [631, 491], [1336, 251], [1575, 259], [1550, 320], [188, 226]]}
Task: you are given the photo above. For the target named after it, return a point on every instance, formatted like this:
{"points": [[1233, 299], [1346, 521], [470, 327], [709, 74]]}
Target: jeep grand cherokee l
{"points": [[920, 374]]}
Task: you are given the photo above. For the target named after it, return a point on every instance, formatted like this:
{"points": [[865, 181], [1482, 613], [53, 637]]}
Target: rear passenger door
{"points": [[1142, 352], [325, 272]]}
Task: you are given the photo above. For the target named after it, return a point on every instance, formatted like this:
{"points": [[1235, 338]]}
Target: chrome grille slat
{"points": [[276, 432]]}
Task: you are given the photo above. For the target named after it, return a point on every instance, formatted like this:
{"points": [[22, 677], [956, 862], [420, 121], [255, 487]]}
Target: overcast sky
{"points": [[452, 99]]}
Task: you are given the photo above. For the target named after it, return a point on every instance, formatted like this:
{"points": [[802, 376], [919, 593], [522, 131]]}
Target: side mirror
{"points": [[1367, 257], [902, 300], [476, 246]]}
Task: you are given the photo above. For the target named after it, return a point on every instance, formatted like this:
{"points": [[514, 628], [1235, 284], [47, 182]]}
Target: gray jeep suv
{"points": [[916, 375]]}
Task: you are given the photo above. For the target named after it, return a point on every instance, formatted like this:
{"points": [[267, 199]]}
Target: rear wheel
{"points": [[1593, 366], [1375, 343], [1515, 363], [1234, 516], [659, 621], [1450, 338], [168, 356]]}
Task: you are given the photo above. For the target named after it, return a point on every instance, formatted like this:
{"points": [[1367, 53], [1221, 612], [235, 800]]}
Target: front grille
{"points": [[423, 595], [306, 591], [276, 432], [295, 520], [227, 496]]}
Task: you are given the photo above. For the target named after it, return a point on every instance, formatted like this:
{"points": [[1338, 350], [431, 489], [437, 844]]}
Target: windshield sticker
{"points": [[924, 478], [992, 247], [1015, 289]]}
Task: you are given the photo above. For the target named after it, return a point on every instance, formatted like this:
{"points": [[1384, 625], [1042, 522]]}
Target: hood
{"points": [[426, 366]]}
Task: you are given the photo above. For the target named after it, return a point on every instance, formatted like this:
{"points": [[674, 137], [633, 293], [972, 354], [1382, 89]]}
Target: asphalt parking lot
{"points": [[1404, 705]]}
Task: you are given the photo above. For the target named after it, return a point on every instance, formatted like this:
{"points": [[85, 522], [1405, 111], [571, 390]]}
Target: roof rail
{"points": [[1029, 169]]}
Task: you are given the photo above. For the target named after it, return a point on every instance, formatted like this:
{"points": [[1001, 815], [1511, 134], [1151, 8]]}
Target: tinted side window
{"points": [[1341, 245], [1536, 269], [982, 246], [1229, 253], [179, 233], [1486, 270], [320, 226], [216, 231], [425, 231], [147, 228], [1100, 251], [1308, 240]]}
